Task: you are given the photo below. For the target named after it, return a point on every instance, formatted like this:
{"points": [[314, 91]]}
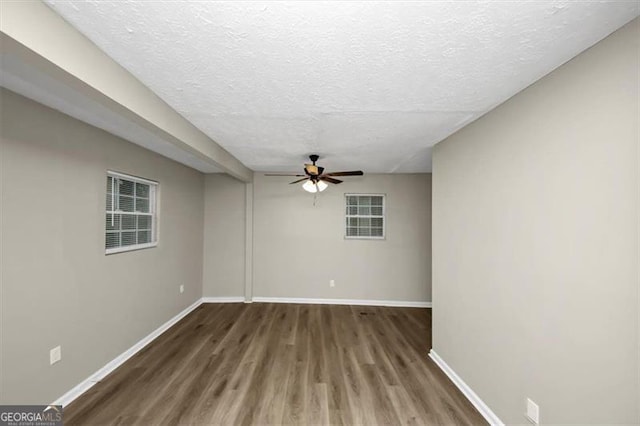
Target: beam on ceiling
{"points": [[41, 37]]}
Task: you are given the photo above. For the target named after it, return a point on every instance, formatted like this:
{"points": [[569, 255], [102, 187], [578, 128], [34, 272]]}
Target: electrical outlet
{"points": [[55, 355], [332, 283], [182, 288], [533, 412]]}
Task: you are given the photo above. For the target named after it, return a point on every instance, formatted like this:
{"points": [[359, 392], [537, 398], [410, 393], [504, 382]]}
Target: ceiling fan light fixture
{"points": [[314, 178], [313, 187]]}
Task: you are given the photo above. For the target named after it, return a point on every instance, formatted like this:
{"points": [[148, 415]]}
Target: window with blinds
{"points": [[131, 213], [365, 216]]}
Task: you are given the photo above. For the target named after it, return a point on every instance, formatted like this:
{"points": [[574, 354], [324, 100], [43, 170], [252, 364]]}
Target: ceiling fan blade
{"points": [[297, 181], [279, 174], [330, 179], [351, 173], [312, 169]]}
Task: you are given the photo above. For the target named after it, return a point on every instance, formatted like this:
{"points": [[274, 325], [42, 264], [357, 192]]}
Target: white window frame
{"points": [[153, 213], [383, 216]]}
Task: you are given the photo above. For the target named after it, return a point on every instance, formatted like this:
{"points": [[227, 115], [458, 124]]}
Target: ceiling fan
{"points": [[315, 178]]}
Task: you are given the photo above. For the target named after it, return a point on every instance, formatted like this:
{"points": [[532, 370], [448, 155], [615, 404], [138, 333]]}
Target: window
{"points": [[365, 216], [131, 213]]}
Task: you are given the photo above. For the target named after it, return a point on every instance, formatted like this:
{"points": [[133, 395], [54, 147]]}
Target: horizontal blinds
{"points": [[130, 215], [365, 216]]}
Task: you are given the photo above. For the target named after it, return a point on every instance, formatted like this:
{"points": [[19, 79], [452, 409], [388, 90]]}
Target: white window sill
{"points": [[365, 238], [130, 248]]}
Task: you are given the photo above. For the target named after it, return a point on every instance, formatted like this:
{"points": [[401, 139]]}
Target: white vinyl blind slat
{"points": [[365, 216], [130, 213]]}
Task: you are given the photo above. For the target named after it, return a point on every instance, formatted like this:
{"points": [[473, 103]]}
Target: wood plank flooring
{"points": [[260, 364]]}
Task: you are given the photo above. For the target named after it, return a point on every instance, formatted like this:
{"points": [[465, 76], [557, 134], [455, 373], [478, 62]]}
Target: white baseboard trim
{"points": [[482, 408], [232, 299], [359, 302], [86, 384]]}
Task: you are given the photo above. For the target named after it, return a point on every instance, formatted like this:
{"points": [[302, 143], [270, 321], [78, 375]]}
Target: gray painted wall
{"points": [[535, 244], [299, 247], [224, 236], [58, 287]]}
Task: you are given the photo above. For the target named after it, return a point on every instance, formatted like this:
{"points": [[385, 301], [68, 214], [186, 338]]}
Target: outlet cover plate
{"points": [[533, 412], [55, 355]]}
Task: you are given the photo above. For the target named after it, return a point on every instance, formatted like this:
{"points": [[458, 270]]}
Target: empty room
{"points": [[319, 213]]}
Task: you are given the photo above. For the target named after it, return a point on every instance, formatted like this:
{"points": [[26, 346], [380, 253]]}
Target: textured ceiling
{"points": [[367, 85]]}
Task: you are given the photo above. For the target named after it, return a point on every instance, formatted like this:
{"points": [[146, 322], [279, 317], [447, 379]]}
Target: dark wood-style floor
{"points": [[261, 364]]}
